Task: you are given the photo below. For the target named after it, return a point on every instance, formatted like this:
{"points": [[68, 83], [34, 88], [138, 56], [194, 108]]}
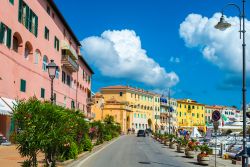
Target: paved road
{"points": [[130, 151]]}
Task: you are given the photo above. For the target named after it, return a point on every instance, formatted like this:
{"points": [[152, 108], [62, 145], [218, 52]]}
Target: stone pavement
{"points": [[9, 157]]}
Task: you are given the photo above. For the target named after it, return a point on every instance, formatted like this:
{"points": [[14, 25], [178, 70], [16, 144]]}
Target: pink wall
{"points": [[13, 66]]}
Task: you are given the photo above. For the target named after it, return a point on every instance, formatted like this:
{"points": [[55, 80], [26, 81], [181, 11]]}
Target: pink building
{"points": [[32, 32]]}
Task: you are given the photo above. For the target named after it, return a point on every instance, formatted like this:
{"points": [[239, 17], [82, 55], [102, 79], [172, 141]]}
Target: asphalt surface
{"points": [[132, 151]]}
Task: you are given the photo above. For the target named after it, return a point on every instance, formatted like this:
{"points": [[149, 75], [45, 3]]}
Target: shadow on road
{"points": [[148, 163]]}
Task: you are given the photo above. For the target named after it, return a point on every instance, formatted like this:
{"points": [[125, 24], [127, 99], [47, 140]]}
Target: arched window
{"points": [[17, 42], [37, 56], [28, 51], [45, 62]]}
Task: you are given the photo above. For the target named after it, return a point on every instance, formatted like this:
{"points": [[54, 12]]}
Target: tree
{"points": [[149, 123], [109, 119]]}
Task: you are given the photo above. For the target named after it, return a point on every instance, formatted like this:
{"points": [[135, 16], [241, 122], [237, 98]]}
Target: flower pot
{"points": [[172, 145], [180, 149], [203, 160], [166, 143], [189, 153]]}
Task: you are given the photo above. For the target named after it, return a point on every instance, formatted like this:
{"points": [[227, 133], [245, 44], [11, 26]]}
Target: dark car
{"points": [[141, 133]]}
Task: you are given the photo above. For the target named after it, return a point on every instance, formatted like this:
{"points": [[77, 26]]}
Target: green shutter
{"points": [[20, 11], [36, 25], [23, 86], [11, 1], [55, 42], [42, 92], [8, 37], [31, 14], [2, 27], [27, 17]]}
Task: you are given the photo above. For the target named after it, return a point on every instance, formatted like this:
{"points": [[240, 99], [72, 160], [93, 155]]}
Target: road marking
{"points": [[84, 160]]}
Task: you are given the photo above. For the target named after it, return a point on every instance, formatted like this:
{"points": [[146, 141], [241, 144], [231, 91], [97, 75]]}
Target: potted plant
{"points": [[182, 143], [203, 157], [191, 148], [171, 141], [167, 141]]}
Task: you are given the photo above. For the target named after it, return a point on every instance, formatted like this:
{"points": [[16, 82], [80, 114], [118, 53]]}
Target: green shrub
{"points": [[73, 151], [87, 144]]}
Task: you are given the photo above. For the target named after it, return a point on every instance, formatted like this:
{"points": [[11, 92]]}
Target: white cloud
{"points": [[174, 60], [222, 48], [119, 54]]}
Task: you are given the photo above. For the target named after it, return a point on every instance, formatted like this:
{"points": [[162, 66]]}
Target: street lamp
{"points": [[52, 67], [222, 25]]}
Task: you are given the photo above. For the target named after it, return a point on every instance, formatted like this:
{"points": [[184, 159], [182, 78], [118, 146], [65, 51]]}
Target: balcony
{"points": [[69, 63], [90, 101], [164, 104]]}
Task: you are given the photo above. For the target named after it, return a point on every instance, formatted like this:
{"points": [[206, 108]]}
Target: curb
{"points": [[71, 162]]}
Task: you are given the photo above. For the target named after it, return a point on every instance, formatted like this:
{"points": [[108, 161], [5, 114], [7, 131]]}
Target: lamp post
{"points": [[52, 67], [169, 111], [222, 25]]}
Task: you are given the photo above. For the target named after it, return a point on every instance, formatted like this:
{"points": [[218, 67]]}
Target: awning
{"points": [[6, 106], [71, 51]]}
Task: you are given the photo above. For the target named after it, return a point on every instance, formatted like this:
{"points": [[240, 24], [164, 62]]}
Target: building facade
{"points": [[208, 112], [168, 115], [33, 32], [190, 114], [139, 101]]}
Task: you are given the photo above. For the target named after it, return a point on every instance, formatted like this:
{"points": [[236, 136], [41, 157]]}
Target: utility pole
{"points": [[169, 111]]}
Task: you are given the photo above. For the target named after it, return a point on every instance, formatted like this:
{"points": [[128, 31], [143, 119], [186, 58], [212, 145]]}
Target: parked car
{"points": [[141, 133]]}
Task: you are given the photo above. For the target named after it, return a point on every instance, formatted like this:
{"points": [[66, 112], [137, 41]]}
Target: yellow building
{"points": [[121, 111], [191, 114], [140, 104]]}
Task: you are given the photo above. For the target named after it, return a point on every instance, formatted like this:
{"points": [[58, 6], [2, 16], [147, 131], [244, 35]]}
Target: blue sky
{"points": [[200, 68]]}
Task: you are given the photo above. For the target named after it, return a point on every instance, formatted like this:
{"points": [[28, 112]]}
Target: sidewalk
{"points": [[10, 157], [181, 156]]}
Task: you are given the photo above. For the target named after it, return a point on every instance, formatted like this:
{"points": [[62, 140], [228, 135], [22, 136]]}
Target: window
{"points": [[63, 77], [57, 73], [27, 17], [23, 85], [48, 10], [28, 50], [54, 97], [46, 33], [138, 115], [5, 35], [193, 114], [197, 115], [120, 93], [42, 92], [192, 107], [83, 74], [56, 43], [15, 44], [37, 56], [134, 115], [72, 104], [11, 1], [180, 114], [45, 62], [68, 80]]}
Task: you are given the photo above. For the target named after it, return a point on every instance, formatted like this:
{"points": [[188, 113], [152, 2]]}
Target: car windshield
{"points": [[141, 131]]}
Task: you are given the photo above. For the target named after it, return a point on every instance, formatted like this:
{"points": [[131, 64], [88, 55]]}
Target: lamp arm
{"points": [[240, 13]]}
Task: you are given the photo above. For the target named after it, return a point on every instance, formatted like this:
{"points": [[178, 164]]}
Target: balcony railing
{"points": [[69, 63], [90, 101]]}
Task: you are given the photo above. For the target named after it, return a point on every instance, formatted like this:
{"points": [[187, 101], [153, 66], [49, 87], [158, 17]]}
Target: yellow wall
{"points": [[138, 100], [190, 114]]}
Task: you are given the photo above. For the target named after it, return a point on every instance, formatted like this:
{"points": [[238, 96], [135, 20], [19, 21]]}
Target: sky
{"points": [[161, 44]]}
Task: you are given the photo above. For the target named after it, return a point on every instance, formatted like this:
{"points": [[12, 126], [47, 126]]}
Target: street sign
{"points": [[216, 115], [216, 125]]}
